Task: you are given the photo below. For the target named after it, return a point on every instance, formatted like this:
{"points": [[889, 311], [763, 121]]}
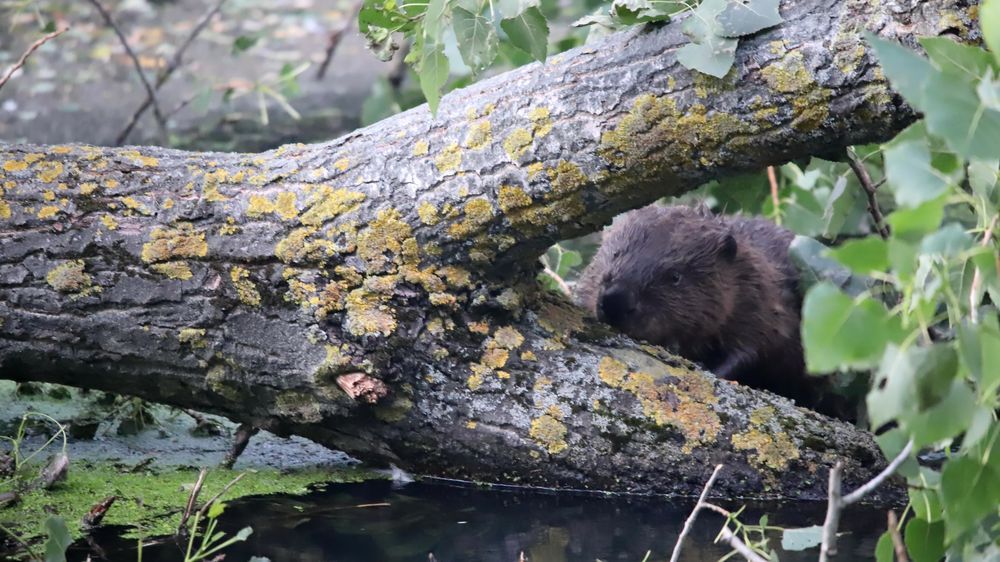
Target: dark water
{"points": [[340, 523]]}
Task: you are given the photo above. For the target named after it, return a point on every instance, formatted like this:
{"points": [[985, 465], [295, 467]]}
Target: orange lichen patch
{"points": [[134, 205], [421, 148], [69, 277], [560, 318], [386, 234], [173, 269], [541, 122], [195, 337], [49, 171], [136, 157], [326, 203], [482, 327], [480, 134], [167, 244], [513, 197], [245, 288], [449, 159], [48, 212], [478, 213], [428, 214], [549, 431]]}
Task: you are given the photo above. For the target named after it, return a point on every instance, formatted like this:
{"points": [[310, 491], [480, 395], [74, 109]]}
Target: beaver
{"points": [[718, 290]]}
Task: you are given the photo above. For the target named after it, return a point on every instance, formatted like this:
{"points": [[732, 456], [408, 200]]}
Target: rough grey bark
{"points": [[376, 293]]}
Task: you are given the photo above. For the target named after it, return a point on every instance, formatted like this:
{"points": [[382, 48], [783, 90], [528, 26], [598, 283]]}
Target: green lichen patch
{"points": [[517, 143], [385, 241], [69, 277], [428, 214], [771, 446], [167, 244], [195, 337], [541, 122], [368, 314], [478, 213], [245, 288], [549, 431], [566, 178], [513, 197], [449, 159]]}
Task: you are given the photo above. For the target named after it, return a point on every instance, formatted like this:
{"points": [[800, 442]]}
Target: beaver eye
{"points": [[674, 277]]}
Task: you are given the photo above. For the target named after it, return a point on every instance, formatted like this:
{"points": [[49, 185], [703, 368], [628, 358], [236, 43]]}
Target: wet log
{"points": [[377, 293]]}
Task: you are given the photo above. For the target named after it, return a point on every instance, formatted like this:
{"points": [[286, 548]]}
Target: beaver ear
{"points": [[728, 247]]}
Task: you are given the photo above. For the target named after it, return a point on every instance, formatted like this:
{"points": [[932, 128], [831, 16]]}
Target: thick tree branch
{"points": [[251, 285]]}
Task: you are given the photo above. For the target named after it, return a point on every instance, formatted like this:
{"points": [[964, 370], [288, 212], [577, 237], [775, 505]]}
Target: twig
{"points": [[977, 277], [192, 498], [563, 287], [730, 537], [773, 180], [172, 66], [31, 49], [335, 36], [836, 502], [694, 513], [150, 92], [243, 434], [215, 498], [897, 541], [870, 189]]}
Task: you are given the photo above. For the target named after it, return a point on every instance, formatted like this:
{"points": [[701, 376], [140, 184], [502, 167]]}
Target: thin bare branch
{"points": [[172, 66], [192, 498], [773, 180], [870, 190], [867, 487], [694, 513], [215, 498], [240, 440], [161, 123], [31, 49], [897, 539], [336, 36]]}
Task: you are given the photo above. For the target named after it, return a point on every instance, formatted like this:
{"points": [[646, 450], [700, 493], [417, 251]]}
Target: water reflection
{"points": [[372, 522]]}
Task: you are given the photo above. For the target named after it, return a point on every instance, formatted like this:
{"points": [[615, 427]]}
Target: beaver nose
{"points": [[615, 306]]}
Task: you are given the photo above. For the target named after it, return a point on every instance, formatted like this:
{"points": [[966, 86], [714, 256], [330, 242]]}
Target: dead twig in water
{"points": [[161, 122], [172, 66], [836, 503], [31, 49]]}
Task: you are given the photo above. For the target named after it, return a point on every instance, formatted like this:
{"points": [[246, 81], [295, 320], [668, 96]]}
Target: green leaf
{"points": [[989, 22], [863, 255], [911, 177], [477, 39], [802, 538], [913, 224], [983, 178], [909, 381], [926, 503], [740, 19], [434, 20], [907, 71], [244, 533], [979, 427], [838, 332], [972, 61], [969, 492], [944, 420], [529, 32], [948, 242], [433, 74], [244, 43], [924, 541], [58, 539], [709, 52], [884, 550], [979, 348], [955, 113], [568, 261], [216, 510]]}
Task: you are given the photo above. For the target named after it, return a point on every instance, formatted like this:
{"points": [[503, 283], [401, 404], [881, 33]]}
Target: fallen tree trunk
{"points": [[376, 293]]}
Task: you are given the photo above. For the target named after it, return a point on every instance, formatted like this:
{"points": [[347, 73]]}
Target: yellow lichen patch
{"points": [[110, 183], [384, 234], [542, 383], [541, 123], [421, 148], [482, 327], [503, 375], [772, 451], [517, 143], [168, 203], [475, 380], [449, 159], [560, 318], [456, 277], [528, 356], [259, 205], [88, 187], [296, 247], [48, 212], [428, 214], [69, 277], [229, 228], [61, 149], [33, 157], [284, 205], [480, 135], [470, 424], [195, 337], [368, 314], [167, 244], [327, 203], [245, 288], [15, 165], [4, 209], [494, 357], [109, 222], [534, 169], [134, 205], [49, 195], [566, 178], [508, 338], [173, 269], [512, 197], [330, 299], [341, 164], [210, 186], [790, 76], [478, 213], [143, 160], [612, 372], [549, 431], [49, 171]]}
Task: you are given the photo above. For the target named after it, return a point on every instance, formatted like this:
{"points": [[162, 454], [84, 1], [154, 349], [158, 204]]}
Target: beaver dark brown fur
{"points": [[720, 291]]}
